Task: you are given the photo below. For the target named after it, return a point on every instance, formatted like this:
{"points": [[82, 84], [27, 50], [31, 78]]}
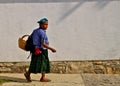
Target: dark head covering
{"points": [[41, 21]]}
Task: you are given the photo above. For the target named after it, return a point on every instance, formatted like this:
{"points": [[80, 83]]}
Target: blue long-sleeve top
{"points": [[39, 36]]}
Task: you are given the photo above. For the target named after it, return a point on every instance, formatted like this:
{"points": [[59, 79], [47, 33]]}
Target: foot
{"points": [[27, 76], [45, 80]]}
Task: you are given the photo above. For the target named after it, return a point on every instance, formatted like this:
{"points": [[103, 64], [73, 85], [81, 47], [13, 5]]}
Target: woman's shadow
{"points": [[15, 79]]}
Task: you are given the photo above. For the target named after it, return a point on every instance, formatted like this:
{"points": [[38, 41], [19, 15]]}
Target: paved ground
{"points": [[63, 80]]}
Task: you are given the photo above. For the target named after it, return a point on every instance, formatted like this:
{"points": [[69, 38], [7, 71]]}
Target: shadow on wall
{"points": [[49, 1], [100, 4]]}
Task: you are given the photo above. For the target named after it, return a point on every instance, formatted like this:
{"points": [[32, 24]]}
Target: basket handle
{"points": [[25, 36]]}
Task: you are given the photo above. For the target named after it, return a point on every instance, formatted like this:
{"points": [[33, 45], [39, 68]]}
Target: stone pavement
{"points": [[63, 80]]}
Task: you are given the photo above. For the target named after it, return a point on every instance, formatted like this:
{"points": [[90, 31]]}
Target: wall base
{"points": [[94, 67]]}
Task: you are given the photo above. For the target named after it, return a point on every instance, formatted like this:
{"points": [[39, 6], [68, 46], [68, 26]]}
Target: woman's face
{"points": [[44, 25]]}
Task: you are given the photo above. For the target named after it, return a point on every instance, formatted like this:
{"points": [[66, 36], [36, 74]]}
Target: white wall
{"points": [[78, 29]]}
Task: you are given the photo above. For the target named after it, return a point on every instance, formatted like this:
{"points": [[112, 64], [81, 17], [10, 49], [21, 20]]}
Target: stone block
{"points": [[98, 63], [109, 70], [99, 69]]}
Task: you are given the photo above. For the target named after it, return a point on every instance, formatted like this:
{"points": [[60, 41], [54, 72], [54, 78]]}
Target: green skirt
{"points": [[40, 63]]}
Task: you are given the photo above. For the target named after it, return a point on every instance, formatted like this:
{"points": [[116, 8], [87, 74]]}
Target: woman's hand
{"points": [[53, 50], [37, 51]]}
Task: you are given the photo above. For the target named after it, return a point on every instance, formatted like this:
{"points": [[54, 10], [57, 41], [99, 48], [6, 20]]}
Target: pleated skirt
{"points": [[40, 63]]}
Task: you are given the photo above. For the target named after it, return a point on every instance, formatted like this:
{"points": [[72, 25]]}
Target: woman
{"points": [[39, 60]]}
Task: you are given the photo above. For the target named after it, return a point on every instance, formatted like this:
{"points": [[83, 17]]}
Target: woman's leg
{"points": [[27, 76], [43, 78]]}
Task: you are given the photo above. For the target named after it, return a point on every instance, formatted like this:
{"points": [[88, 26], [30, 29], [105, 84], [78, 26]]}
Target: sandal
{"points": [[27, 76], [45, 80]]}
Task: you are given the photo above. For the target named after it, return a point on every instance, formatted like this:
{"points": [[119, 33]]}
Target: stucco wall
{"points": [[78, 29]]}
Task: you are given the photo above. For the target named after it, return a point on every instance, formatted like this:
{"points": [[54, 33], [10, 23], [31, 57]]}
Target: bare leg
{"points": [[27, 76], [43, 79], [43, 75]]}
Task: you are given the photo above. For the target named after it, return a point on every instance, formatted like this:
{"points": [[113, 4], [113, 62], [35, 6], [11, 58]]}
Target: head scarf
{"points": [[41, 21]]}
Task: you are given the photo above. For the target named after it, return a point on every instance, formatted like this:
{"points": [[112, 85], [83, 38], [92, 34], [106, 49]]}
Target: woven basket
{"points": [[22, 42]]}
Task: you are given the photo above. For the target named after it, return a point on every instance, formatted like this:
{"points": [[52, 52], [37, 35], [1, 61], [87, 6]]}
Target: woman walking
{"points": [[40, 60]]}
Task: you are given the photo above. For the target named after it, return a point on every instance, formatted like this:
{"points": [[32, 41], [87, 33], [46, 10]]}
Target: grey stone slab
{"points": [[101, 79]]}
